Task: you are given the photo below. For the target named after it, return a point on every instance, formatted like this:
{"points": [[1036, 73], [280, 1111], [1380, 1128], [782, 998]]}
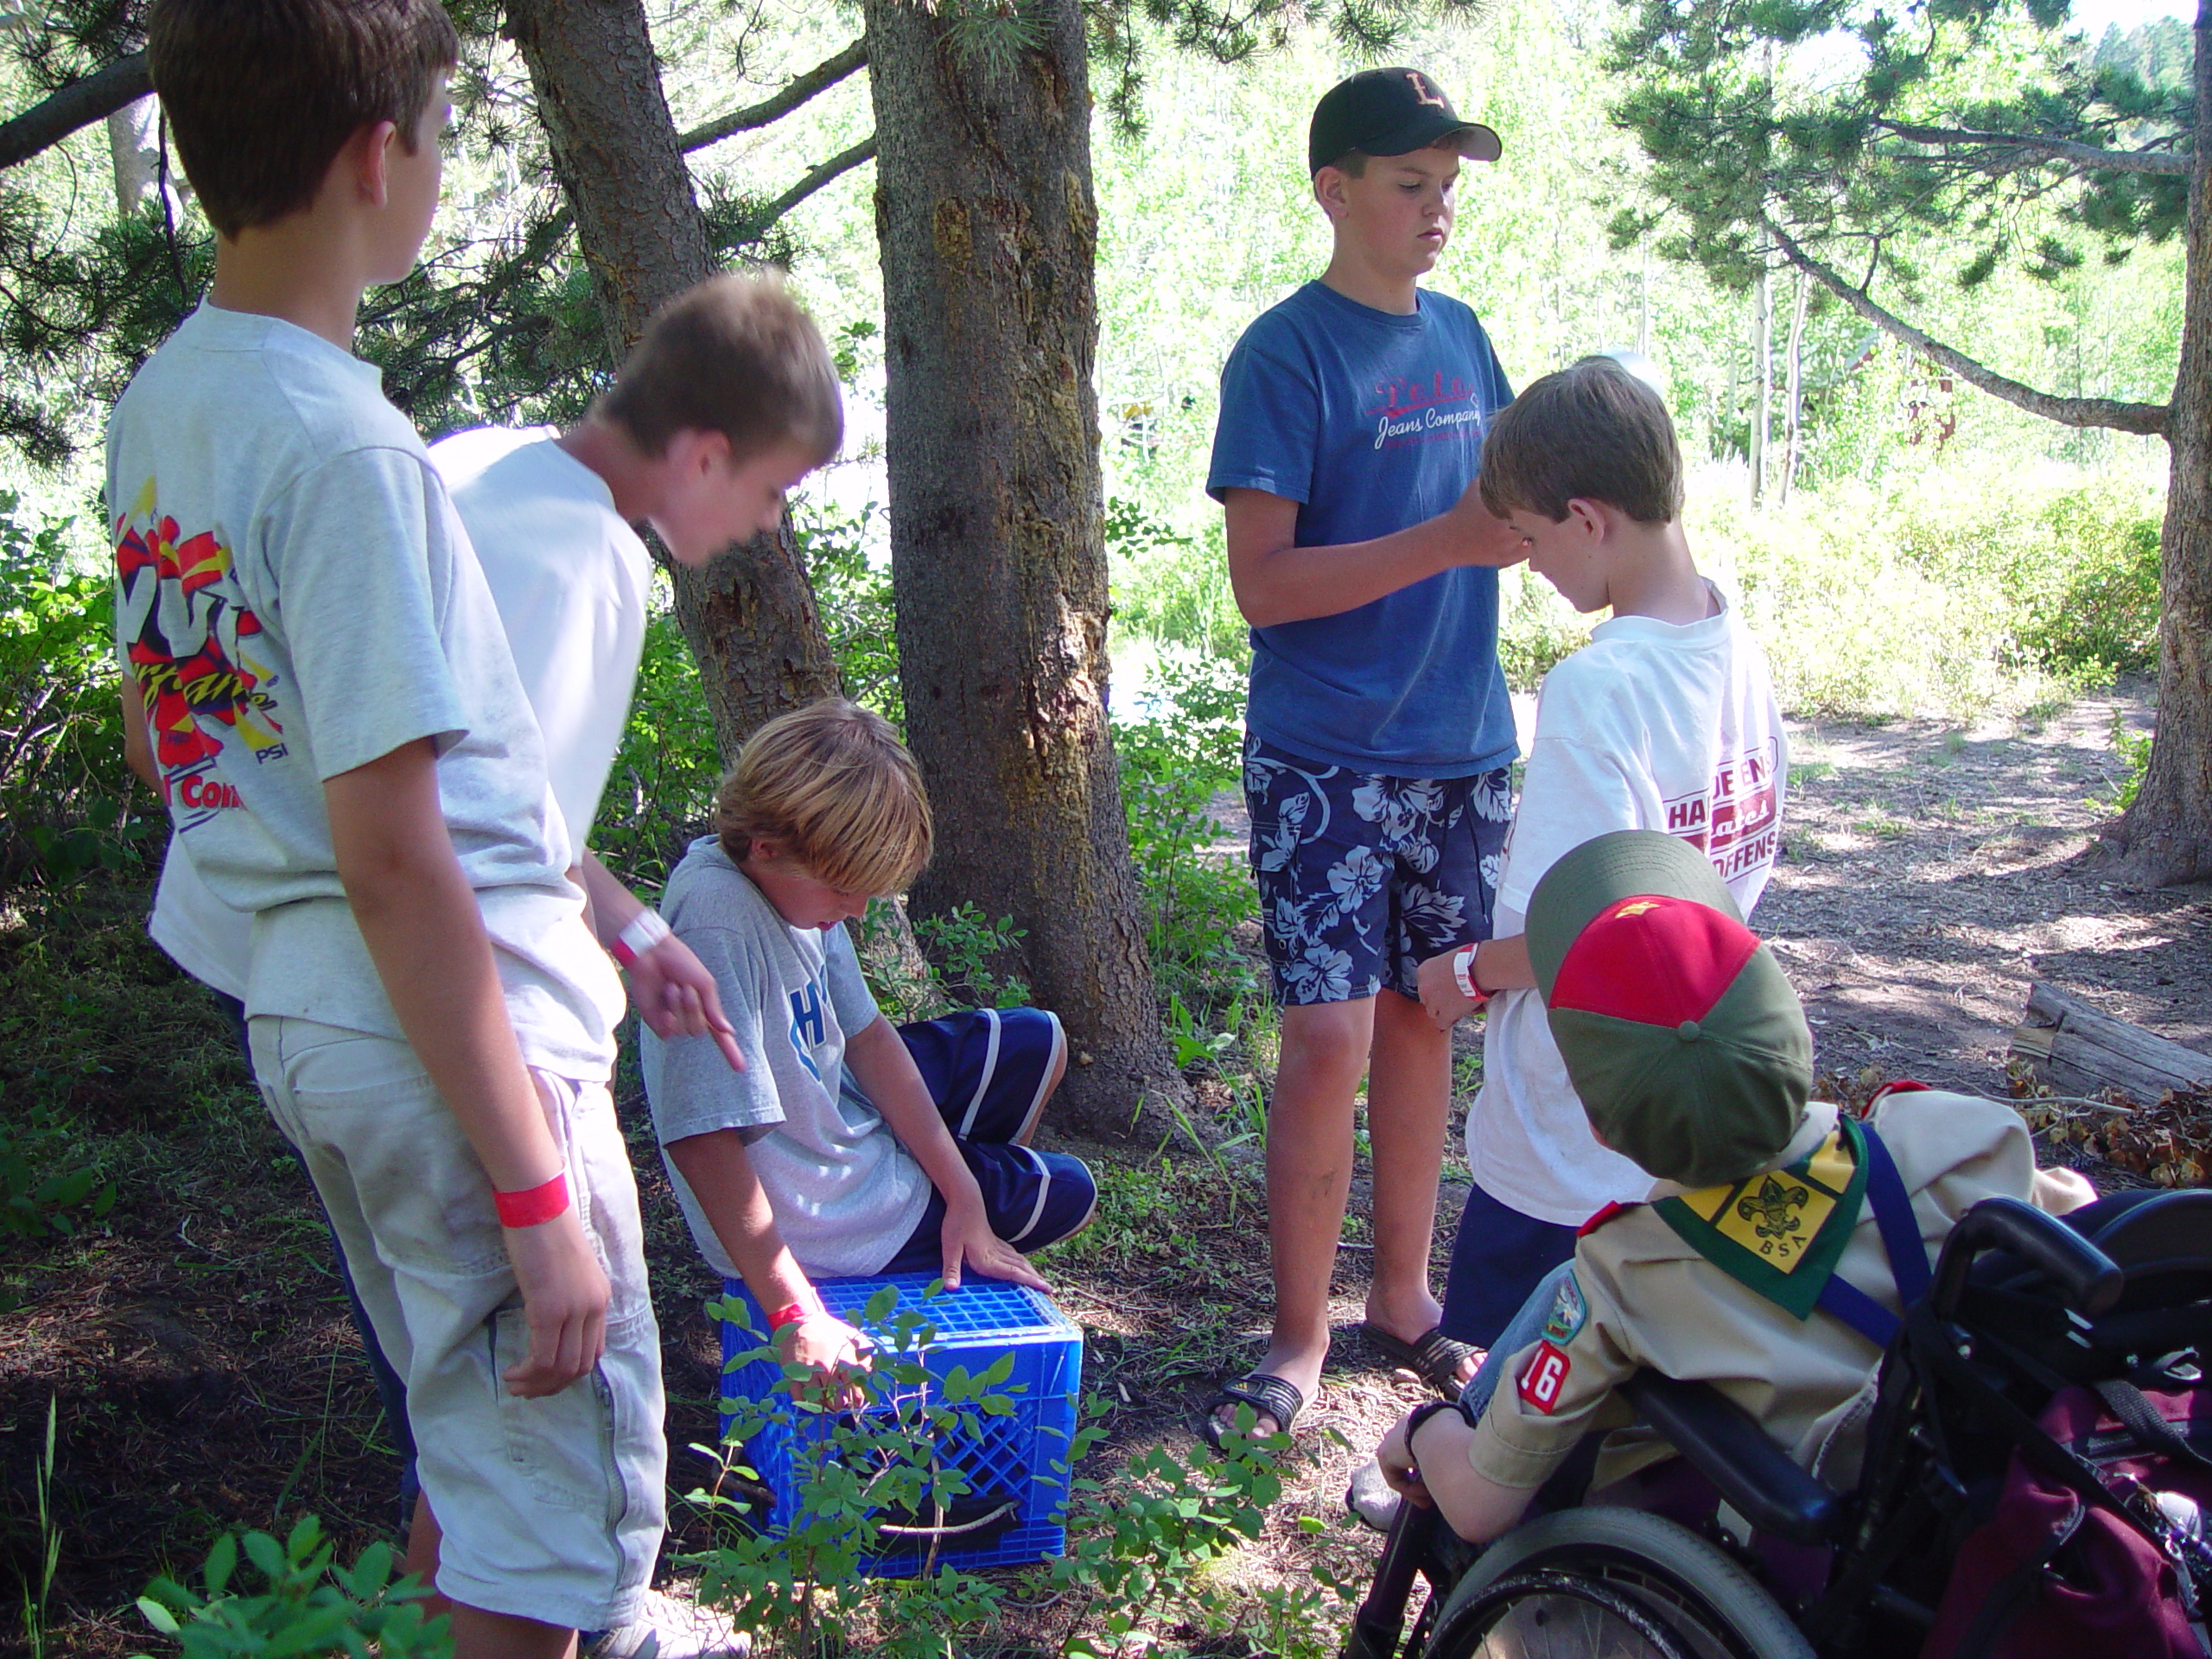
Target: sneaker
{"points": [[669, 1627], [1371, 1497]]}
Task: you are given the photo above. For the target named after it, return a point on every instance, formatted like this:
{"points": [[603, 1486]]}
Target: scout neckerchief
{"points": [[1781, 1232]]}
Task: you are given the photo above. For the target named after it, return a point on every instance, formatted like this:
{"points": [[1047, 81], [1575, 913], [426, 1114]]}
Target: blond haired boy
{"points": [[845, 1146]]}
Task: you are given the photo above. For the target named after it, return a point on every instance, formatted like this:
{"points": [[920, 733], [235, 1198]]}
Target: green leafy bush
{"points": [[660, 792], [1171, 587], [963, 945], [1175, 759], [65, 805], [854, 597], [1141, 1540], [309, 1606], [2134, 749], [1956, 593], [803, 1590], [36, 1200], [2097, 615]]}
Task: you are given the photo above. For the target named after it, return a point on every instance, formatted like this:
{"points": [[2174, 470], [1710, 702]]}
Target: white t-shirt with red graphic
{"points": [[1650, 726], [296, 598], [572, 583]]}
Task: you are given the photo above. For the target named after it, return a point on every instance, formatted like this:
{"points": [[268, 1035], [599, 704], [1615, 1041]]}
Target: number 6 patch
{"points": [[1544, 1376]]}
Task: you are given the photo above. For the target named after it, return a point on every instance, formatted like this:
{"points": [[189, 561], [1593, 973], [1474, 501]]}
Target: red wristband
{"points": [[789, 1314], [533, 1206]]}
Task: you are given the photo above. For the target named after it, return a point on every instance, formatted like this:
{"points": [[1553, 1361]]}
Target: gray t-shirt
{"points": [[297, 598], [845, 1194]]}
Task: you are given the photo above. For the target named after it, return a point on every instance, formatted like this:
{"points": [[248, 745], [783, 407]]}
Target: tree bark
{"points": [[1763, 371], [1793, 405], [2165, 837], [131, 137], [2148, 419], [988, 229], [749, 616], [80, 104]]}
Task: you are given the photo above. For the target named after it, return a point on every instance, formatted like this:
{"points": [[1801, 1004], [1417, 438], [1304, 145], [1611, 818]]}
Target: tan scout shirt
{"points": [[1641, 1296]]}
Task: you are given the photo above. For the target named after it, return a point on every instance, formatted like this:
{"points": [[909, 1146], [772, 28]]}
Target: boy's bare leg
{"points": [[1408, 1089], [1309, 1173], [477, 1634]]}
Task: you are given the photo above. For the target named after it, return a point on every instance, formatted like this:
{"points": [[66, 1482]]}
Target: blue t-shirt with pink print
{"points": [[1372, 423]]}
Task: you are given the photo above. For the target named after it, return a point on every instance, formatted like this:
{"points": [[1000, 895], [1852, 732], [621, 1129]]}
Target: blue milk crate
{"points": [[1020, 1459]]}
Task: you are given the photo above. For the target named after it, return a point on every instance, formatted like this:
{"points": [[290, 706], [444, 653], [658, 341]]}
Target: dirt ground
{"points": [[1933, 872], [204, 1376]]}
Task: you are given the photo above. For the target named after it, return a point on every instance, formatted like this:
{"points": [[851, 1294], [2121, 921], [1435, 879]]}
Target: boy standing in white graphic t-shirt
{"points": [[346, 748], [1665, 720]]}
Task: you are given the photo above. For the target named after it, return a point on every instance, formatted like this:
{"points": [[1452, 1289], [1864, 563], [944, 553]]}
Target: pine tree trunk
{"points": [[2166, 837], [988, 230], [749, 616]]}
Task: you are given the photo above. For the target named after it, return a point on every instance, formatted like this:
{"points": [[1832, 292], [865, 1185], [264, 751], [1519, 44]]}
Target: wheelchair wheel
{"points": [[1602, 1583]]}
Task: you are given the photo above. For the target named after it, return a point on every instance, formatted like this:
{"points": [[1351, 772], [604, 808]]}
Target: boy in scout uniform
{"points": [[1758, 1263]]}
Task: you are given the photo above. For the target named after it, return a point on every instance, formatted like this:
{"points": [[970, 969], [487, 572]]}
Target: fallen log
{"points": [[2074, 1048]]}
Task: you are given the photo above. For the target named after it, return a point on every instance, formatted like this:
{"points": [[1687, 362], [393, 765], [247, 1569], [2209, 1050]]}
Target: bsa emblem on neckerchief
{"points": [[1781, 1232]]}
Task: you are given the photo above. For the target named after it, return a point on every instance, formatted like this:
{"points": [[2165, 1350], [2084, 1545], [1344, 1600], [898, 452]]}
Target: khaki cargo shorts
{"points": [[551, 1509]]}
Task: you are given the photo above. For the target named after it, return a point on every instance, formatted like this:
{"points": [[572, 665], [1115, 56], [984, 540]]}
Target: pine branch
{"points": [[819, 78], [2064, 149], [842, 162], [2150, 419], [80, 104]]}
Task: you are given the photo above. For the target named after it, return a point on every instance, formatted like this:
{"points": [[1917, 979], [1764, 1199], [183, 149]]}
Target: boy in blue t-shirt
{"points": [[1378, 730]]}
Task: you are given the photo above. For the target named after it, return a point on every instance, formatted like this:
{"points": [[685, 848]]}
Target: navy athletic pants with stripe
{"points": [[989, 1070]]}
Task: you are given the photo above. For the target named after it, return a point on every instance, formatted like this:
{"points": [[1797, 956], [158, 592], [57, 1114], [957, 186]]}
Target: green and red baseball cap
{"points": [[1680, 1032], [1390, 113]]}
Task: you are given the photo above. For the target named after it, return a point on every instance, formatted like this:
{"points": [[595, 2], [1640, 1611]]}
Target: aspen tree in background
{"points": [[1829, 173]]}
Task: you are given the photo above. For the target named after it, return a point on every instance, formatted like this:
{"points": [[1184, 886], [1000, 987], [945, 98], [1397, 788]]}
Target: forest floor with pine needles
{"points": [[196, 1349]]}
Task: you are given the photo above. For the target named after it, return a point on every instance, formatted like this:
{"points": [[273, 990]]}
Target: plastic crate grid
{"points": [[1019, 1458]]}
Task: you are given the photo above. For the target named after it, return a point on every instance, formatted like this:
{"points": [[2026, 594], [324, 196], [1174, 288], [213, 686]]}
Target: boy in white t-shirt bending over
{"points": [[1665, 720]]}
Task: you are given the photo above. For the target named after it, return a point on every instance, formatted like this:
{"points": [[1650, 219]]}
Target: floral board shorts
{"points": [[1364, 877]]}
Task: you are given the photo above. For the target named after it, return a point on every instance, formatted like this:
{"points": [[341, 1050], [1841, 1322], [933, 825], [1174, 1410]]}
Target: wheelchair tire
{"points": [[1602, 1583]]}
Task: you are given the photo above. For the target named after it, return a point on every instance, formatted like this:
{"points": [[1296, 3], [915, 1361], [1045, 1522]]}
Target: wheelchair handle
{"points": [[2086, 1277]]}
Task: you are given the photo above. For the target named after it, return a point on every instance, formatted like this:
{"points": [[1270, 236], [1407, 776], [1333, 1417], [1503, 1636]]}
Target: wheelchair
{"points": [[1765, 1563]]}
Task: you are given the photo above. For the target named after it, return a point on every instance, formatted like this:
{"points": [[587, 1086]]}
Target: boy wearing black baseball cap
{"points": [[1378, 730], [1759, 1262]]}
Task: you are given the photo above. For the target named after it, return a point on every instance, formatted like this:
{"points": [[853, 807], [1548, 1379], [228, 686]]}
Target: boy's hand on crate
{"points": [[833, 1350], [970, 1241]]}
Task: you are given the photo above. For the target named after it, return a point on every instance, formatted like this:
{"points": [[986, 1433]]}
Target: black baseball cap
{"points": [[1390, 113]]}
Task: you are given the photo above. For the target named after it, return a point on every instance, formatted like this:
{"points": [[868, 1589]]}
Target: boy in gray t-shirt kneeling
{"points": [[845, 1146]]}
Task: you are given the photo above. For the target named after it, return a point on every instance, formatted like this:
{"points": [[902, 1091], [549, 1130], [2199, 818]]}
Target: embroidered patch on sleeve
{"points": [[1568, 1313], [1544, 1376]]}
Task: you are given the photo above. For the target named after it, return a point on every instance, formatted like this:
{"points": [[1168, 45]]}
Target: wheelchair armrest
{"points": [[2086, 1277], [1757, 1477]]}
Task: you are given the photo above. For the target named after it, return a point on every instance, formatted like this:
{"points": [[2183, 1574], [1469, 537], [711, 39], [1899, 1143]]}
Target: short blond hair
{"points": [[834, 786]]}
